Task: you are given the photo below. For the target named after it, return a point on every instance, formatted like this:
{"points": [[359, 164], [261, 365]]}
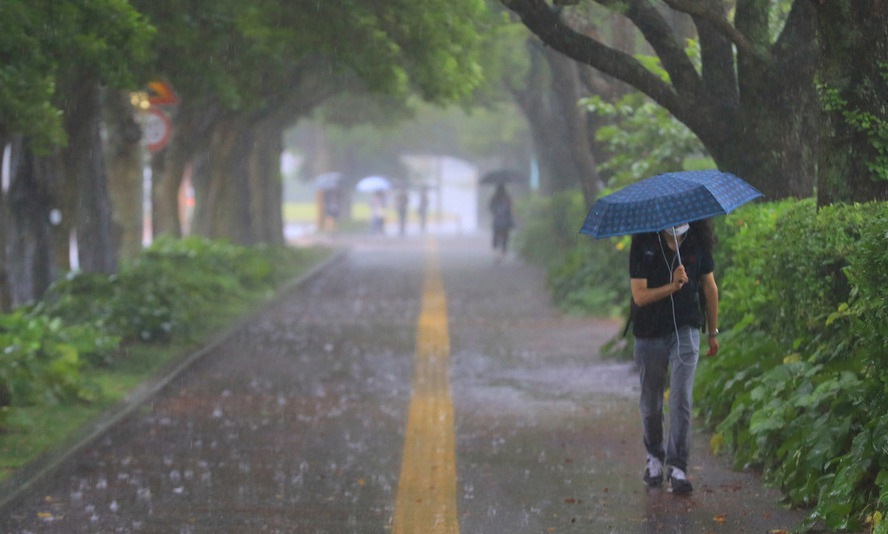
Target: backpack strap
{"points": [[633, 309]]}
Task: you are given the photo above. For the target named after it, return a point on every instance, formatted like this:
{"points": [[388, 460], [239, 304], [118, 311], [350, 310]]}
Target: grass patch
{"points": [[300, 212], [307, 212], [33, 430]]}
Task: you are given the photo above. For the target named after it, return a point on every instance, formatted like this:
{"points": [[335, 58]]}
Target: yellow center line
{"points": [[426, 500]]}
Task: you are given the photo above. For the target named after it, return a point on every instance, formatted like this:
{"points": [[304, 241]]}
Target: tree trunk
{"points": [[558, 127], [266, 184], [580, 166], [5, 293], [64, 201], [223, 200], [771, 142], [200, 180], [853, 54], [235, 158], [29, 234], [234, 219], [192, 131], [84, 162], [125, 160]]}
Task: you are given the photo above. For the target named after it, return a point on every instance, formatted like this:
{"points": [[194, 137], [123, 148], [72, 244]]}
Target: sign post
{"points": [[157, 129]]}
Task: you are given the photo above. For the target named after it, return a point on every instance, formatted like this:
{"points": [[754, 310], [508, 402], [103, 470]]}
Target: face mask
{"points": [[678, 230]]}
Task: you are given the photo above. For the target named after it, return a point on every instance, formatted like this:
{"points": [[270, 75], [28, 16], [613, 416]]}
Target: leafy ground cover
{"points": [[93, 339], [799, 389]]}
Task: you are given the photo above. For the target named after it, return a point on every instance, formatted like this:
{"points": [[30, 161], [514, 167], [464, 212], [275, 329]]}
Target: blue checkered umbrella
{"points": [[667, 200]]}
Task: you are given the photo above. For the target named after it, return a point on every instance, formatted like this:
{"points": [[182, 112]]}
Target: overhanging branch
{"points": [[546, 24], [701, 10]]}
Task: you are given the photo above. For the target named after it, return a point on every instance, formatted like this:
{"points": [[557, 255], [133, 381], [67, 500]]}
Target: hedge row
{"points": [[800, 388], [168, 292]]}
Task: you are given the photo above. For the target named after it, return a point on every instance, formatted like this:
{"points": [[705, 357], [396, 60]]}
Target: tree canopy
{"points": [[42, 41]]}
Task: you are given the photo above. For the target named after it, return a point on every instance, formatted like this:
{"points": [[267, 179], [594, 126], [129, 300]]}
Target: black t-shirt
{"points": [[655, 261]]}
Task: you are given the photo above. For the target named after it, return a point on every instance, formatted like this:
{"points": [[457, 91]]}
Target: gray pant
{"points": [[655, 358]]}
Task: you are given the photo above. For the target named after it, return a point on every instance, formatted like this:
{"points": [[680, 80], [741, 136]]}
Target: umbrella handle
{"points": [[677, 247]]}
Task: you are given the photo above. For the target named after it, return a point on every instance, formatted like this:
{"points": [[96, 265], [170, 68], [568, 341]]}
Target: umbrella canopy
{"points": [[370, 184], [503, 176], [667, 200], [328, 180]]}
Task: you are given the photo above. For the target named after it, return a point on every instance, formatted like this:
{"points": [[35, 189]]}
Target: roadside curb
{"points": [[29, 476]]}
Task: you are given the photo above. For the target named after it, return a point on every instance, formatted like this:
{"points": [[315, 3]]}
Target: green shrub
{"points": [[170, 290], [584, 275], [162, 292], [798, 388], [862, 470], [548, 227], [743, 256], [592, 279], [41, 359]]}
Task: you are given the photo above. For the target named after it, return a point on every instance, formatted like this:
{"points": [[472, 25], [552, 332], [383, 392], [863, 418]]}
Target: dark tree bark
{"points": [[560, 131], [240, 199], [5, 292], [238, 188], [853, 72], [755, 116], [230, 214], [28, 258], [221, 211], [124, 153], [193, 125], [201, 181], [84, 162], [266, 184]]}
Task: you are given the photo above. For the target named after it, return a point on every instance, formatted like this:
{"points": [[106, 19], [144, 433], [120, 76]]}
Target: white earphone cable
{"points": [[669, 266]]}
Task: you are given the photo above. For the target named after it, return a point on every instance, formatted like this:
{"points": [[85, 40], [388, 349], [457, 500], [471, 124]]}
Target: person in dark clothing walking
{"points": [[502, 220], [669, 271], [423, 209], [401, 201]]}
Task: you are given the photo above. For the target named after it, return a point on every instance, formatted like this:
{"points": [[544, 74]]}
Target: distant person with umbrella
{"points": [[331, 208], [674, 294], [328, 192], [377, 212], [502, 220], [376, 186]]}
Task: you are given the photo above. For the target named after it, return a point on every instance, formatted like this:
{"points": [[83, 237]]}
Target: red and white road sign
{"points": [[156, 129]]}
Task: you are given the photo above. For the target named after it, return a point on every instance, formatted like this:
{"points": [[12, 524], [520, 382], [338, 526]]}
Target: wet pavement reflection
{"points": [[296, 422]]}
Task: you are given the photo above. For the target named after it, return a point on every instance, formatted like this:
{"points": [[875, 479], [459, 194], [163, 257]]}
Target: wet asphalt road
{"points": [[296, 422]]}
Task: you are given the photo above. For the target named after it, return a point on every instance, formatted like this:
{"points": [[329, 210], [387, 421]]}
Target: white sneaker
{"points": [[653, 473], [679, 482]]}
